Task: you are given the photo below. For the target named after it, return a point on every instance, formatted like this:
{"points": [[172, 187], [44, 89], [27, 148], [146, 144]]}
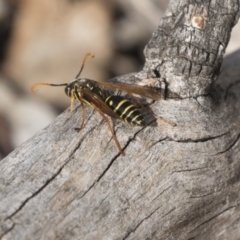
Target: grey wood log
{"points": [[179, 182]]}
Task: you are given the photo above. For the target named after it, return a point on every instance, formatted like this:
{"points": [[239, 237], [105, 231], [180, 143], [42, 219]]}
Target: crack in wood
{"points": [[139, 224], [184, 43], [200, 196], [190, 97], [110, 164], [48, 181], [189, 140], [213, 217], [35, 193], [160, 194], [113, 160], [144, 219], [160, 140], [181, 56], [9, 230], [230, 146], [188, 170]]}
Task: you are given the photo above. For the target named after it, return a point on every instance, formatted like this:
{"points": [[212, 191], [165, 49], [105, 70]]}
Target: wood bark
{"points": [[179, 182]]}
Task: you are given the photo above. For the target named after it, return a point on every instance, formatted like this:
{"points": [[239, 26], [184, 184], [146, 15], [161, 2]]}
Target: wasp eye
{"points": [[68, 91]]}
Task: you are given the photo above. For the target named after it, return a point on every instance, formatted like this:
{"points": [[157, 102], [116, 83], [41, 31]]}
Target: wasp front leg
{"points": [[72, 101], [83, 116]]}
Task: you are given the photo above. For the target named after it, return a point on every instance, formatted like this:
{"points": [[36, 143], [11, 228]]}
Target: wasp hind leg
{"points": [[110, 127]]}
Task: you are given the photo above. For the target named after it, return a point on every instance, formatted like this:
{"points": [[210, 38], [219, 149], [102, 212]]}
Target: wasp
{"points": [[98, 95]]}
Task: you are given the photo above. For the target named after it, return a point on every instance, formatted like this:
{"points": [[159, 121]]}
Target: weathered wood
{"points": [[178, 182]]}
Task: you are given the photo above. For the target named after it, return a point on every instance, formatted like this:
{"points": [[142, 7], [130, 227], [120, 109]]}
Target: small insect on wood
{"points": [[98, 96]]}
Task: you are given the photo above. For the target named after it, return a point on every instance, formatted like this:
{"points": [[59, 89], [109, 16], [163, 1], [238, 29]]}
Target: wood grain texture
{"points": [[178, 182]]}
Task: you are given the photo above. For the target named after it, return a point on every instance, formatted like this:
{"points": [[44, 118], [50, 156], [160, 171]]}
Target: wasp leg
{"points": [[72, 102], [83, 116], [110, 127], [138, 103], [165, 120]]}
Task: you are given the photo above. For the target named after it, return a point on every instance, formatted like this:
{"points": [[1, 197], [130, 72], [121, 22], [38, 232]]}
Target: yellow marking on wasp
{"points": [[134, 110], [119, 105], [126, 110], [110, 102], [89, 86], [135, 118]]}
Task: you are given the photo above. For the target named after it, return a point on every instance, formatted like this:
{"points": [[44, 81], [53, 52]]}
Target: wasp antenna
{"points": [[36, 85], [89, 54]]}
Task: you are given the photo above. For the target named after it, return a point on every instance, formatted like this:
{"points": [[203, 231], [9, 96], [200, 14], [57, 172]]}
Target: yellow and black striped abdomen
{"points": [[126, 110]]}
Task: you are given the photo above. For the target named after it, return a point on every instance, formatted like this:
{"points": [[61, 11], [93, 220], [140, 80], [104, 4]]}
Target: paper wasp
{"points": [[98, 96]]}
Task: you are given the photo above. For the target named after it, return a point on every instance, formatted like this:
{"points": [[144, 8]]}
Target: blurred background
{"points": [[45, 41]]}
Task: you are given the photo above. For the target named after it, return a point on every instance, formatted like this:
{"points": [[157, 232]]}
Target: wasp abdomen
{"points": [[126, 110]]}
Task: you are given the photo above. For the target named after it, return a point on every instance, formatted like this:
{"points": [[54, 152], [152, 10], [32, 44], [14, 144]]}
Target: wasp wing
{"points": [[93, 99], [144, 91]]}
